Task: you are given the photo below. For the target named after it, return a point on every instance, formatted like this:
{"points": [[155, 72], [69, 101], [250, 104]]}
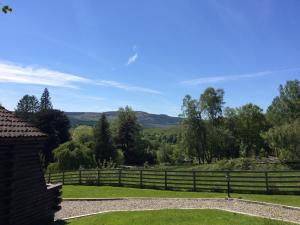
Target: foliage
{"points": [[56, 125], [45, 101], [72, 156], [251, 123], [285, 108], [129, 138], [53, 168], [193, 129], [119, 157], [211, 103], [103, 149], [27, 107], [285, 140], [84, 135], [165, 154], [219, 142]]}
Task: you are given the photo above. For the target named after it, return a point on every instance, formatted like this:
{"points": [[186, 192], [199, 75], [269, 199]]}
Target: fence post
{"points": [[194, 181], [166, 180], [49, 177], [141, 178], [79, 176], [267, 182], [119, 180], [98, 177], [63, 177], [228, 184]]}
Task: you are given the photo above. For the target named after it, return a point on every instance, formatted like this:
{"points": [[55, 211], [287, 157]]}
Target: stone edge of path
{"points": [[153, 198], [142, 210]]}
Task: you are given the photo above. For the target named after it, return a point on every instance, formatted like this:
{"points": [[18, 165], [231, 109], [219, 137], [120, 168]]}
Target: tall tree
{"points": [[285, 108], [56, 125], [45, 102], [104, 149], [251, 123], [129, 137], [211, 103], [230, 123], [27, 107], [193, 129], [284, 114]]}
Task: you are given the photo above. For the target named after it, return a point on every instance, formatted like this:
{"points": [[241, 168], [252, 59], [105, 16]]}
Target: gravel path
{"points": [[79, 208]]}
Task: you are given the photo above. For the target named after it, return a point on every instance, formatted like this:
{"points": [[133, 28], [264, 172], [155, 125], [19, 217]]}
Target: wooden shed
{"points": [[25, 198]]}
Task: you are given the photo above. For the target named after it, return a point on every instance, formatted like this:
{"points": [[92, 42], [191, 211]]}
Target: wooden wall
{"points": [[28, 200]]}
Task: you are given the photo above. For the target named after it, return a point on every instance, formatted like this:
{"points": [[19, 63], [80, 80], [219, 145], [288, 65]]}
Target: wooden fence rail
{"points": [[270, 182]]}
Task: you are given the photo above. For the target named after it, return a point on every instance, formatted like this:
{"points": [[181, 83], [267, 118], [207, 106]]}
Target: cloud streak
{"points": [[12, 73], [110, 83], [132, 59], [217, 79]]}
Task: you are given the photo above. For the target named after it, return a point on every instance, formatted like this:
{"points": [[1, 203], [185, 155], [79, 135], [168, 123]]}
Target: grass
{"points": [[174, 217], [74, 191]]}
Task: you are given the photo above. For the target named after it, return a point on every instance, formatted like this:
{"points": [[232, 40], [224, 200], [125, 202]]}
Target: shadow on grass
{"points": [[60, 222]]}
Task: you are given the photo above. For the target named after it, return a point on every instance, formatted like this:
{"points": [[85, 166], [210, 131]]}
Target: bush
{"points": [[72, 155], [165, 154], [52, 168], [119, 157]]}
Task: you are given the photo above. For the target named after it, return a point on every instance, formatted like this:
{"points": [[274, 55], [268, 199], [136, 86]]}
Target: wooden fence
{"points": [[271, 182]]}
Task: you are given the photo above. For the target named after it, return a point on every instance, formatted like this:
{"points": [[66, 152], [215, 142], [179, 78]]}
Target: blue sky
{"points": [[101, 55]]}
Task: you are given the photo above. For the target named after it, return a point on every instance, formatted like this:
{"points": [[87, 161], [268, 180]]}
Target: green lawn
{"points": [[73, 191], [174, 217]]}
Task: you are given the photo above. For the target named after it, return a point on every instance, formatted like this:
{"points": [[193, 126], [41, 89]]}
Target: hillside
{"points": [[147, 120]]}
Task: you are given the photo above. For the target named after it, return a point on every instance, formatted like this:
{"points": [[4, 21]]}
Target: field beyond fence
{"points": [[265, 182]]}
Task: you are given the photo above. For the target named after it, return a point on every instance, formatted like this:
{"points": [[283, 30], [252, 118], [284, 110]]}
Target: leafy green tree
{"points": [[73, 155], [27, 107], [45, 102], [129, 138], [193, 129], [231, 123], [84, 135], [285, 140], [285, 108], [251, 123], [211, 103], [218, 142], [56, 125], [104, 149]]}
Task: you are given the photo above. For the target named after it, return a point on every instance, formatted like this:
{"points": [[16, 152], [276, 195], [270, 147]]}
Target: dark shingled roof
{"points": [[13, 127]]}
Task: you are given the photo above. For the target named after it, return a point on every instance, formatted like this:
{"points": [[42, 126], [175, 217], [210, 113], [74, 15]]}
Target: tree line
{"points": [[211, 133], [208, 132]]}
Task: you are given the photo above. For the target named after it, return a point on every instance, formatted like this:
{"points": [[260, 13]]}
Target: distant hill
{"points": [[147, 120]]}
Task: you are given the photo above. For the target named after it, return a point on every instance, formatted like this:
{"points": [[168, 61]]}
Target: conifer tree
{"points": [[45, 102], [104, 149]]}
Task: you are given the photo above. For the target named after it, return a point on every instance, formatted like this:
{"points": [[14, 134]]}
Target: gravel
{"points": [[83, 207]]}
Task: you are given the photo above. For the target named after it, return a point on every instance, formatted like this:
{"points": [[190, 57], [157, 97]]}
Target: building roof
{"points": [[13, 127]]}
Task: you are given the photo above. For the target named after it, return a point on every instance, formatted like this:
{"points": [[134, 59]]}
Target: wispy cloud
{"points": [[217, 79], [132, 59], [13, 73], [110, 83]]}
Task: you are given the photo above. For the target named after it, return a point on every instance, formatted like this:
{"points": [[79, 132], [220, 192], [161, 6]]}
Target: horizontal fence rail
{"points": [[270, 182]]}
